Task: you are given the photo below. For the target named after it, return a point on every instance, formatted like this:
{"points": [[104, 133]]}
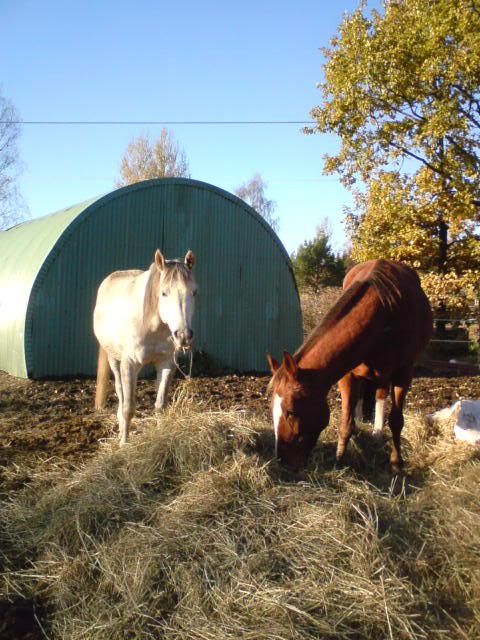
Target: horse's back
{"points": [[409, 323], [399, 283], [399, 274], [128, 273], [117, 306], [117, 281], [115, 286]]}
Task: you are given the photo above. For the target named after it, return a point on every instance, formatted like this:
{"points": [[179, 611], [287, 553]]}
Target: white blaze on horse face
{"points": [[277, 414]]}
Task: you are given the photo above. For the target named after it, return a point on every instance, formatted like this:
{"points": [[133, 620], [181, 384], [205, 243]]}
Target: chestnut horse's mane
{"points": [[386, 289]]}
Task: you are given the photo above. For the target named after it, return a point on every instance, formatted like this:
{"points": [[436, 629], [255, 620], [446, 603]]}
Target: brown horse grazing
{"points": [[374, 332]]}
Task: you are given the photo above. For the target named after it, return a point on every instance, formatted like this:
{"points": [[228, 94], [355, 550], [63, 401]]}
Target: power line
{"points": [[157, 122]]}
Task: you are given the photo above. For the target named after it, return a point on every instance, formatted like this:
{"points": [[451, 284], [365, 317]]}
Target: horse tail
{"points": [[103, 377]]}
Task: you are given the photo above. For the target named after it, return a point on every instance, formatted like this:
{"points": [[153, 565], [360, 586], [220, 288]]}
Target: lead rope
{"points": [[188, 375]]}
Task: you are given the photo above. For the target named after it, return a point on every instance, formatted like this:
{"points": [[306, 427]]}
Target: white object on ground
{"points": [[467, 419]]}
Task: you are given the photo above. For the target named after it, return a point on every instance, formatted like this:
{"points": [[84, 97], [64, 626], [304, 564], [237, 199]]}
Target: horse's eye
{"points": [[290, 414], [194, 293], [165, 294]]}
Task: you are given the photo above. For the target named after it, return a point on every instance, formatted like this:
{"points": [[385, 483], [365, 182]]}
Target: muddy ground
{"points": [[42, 422], [56, 418]]}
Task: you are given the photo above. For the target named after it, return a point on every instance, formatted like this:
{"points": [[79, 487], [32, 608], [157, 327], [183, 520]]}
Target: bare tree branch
{"points": [[253, 192], [410, 154], [10, 204]]}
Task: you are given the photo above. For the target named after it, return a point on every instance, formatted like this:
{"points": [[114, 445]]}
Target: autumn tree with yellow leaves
{"points": [[145, 159], [402, 91]]}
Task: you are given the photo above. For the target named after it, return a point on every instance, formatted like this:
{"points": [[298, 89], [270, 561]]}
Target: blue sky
{"points": [[164, 61]]}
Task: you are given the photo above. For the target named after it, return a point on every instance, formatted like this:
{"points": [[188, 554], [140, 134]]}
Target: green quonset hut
{"points": [[50, 269]]}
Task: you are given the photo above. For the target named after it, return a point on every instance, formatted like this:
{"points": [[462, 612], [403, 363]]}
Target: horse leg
{"points": [[366, 399], [380, 398], [359, 407], [368, 392], [399, 390], [129, 373], [115, 366], [349, 388], [164, 377]]}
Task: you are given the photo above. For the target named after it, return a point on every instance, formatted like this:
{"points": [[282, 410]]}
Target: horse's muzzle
{"points": [[183, 339], [292, 456]]}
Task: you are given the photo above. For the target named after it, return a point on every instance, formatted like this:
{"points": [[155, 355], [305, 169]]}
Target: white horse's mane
{"points": [[174, 273]]}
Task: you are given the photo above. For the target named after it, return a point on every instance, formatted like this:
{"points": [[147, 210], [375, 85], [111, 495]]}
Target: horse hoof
{"points": [[396, 468], [377, 435]]}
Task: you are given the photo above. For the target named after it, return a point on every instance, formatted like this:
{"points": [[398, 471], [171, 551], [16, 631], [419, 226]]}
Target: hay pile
{"points": [[192, 532]]}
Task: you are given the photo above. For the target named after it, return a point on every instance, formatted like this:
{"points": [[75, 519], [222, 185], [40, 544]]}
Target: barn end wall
{"points": [[247, 303], [24, 250]]}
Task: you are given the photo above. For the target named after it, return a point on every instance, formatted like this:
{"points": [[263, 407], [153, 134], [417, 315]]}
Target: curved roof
{"points": [[28, 251]]}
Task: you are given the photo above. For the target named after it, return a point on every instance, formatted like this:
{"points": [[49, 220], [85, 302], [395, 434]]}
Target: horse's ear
{"points": [[159, 260], [272, 363], [189, 259], [290, 365]]}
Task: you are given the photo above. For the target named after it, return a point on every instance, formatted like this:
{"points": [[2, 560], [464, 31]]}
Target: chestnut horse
{"points": [[374, 332]]}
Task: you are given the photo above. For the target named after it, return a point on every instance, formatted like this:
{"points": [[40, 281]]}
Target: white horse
{"points": [[142, 317]]}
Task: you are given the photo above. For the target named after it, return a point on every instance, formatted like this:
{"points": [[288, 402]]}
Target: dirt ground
{"points": [[56, 418], [42, 422]]}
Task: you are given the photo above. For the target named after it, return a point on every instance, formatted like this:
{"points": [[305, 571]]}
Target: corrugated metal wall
{"points": [[247, 302], [23, 251]]}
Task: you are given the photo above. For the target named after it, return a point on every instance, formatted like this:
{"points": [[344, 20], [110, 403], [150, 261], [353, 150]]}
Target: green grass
{"points": [[193, 532]]}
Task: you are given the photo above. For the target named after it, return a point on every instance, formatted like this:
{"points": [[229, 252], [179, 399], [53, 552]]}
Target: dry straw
{"points": [[192, 532]]}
